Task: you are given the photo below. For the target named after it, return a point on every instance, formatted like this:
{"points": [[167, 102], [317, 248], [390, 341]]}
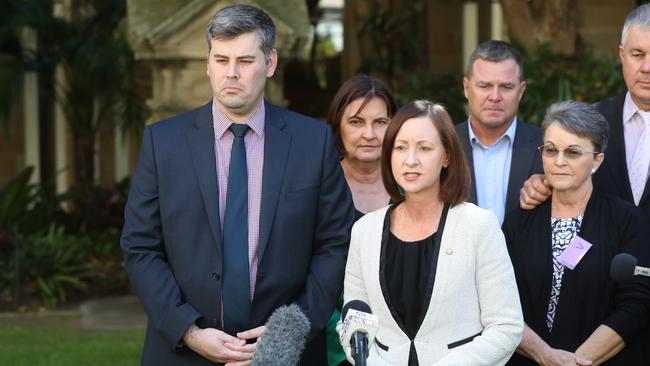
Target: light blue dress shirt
{"points": [[492, 170]]}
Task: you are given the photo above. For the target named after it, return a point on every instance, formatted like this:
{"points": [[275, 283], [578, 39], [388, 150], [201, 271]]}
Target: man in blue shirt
{"points": [[500, 150]]}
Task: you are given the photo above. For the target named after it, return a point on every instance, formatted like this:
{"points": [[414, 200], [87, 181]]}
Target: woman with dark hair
{"points": [[562, 249], [434, 269], [359, 115]]}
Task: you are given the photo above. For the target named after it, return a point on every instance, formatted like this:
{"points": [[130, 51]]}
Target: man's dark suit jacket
{"points": [[526, 160], [172, 236], [612, 177]]}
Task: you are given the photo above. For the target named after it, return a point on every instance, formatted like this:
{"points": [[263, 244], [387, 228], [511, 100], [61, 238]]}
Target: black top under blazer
{"points": [[588, 297]]}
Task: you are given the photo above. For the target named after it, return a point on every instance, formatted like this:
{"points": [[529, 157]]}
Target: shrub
{"points": [[55, 264], [51, 256], [551, 78]]}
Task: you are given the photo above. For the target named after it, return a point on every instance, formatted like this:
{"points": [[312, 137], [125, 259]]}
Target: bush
{"points": [[55, 264], [51, 256], [54, 267], [551, 78], [445, 89], [394, 52], [25, 206]]}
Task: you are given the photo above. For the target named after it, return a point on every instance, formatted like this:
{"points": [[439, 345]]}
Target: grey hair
{"points": [[495, 51], [581, 119], [639, 17], [235, 20]]}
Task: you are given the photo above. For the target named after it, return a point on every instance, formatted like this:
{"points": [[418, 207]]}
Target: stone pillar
{"points": [[61, 9], [60, 139], [496, 21], [470, 30], [30, 105], [170, 36]]}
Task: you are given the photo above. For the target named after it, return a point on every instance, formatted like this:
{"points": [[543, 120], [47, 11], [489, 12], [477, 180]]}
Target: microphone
{"points": [[624, 268], [359, 329], [284, 339]]}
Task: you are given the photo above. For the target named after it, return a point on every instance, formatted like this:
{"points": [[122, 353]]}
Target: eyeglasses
{"points": [[570, 153]]}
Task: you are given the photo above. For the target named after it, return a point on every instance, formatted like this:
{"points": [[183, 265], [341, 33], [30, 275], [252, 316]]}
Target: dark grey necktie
{"points": [[236, 292]]}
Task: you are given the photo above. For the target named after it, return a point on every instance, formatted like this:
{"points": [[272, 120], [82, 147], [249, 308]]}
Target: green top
{"points": [[335, 354]]}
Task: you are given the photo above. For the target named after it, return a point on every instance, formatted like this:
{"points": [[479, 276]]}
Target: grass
{"points": [[59, 340]]}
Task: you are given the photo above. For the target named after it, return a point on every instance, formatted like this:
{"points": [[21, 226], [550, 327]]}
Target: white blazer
{"points": [[474, 294]]}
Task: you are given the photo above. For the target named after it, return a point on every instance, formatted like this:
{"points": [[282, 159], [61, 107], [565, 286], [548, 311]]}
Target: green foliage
{"points": [[445, 89], [106, 206], [324, 50], [25, 206], [397, 55], [100, 87], [15, 199], [395, 44], [57, 267], [551, 78], [54, 255], [55, 264]]}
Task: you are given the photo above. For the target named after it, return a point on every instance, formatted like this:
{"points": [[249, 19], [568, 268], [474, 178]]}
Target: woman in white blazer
{"points": [[435, 270]]}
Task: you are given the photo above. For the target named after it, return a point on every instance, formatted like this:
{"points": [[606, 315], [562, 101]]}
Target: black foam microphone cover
{"points": [[356, 305], [622, 268]]}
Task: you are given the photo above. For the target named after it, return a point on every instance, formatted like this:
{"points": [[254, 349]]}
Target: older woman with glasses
{"points": [[561, 252]]}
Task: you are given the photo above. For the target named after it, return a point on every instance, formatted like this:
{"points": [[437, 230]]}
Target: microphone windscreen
{"points": [[355, 305], [284, 339], [622, 268]]}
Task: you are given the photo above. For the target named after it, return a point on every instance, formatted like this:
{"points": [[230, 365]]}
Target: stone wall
{"points": [[170, 35]]}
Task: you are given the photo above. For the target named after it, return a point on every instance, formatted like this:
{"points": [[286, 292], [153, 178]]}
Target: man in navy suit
{"points": [[236, 208], [501, 151]]}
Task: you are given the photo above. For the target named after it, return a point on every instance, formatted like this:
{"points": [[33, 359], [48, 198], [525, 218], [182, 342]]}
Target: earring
{"points": [[593, 170]]}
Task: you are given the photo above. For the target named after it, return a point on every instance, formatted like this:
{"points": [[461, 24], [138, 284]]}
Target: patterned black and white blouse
{"points": [[562, 232]]}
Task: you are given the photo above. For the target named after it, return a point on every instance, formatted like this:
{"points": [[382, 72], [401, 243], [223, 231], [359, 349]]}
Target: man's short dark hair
{"points": [[495, 51], [235, 20]]}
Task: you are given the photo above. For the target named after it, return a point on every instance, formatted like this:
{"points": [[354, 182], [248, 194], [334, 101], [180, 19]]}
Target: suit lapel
{"points": [[463, 136], [615, 157], [646, 189], [616, 153], [276, 151], [646, 193], [523, 158], [200, 140]]}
